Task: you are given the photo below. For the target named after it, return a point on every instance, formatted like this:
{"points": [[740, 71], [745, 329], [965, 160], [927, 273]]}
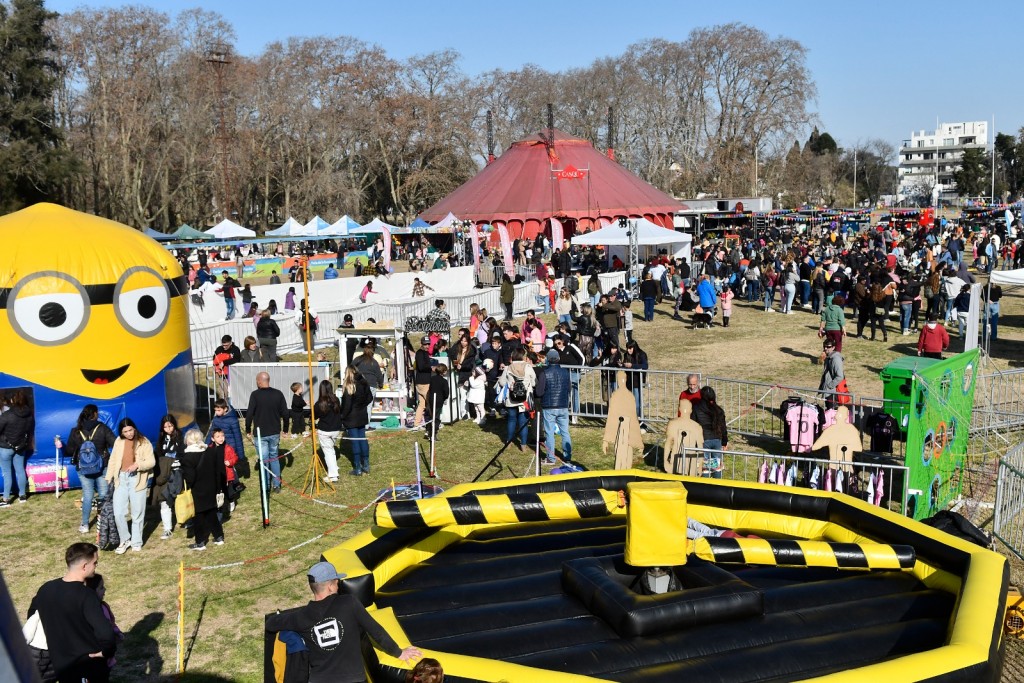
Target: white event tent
{"points": [[290, 228], [315, 227], [376, 226], [340, 228], [650, 235], [229, 230], [446, 222]]}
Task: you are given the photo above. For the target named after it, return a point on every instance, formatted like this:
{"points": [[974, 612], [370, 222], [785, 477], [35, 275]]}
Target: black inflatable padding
{"points": [[633, 615], [359, 586]]}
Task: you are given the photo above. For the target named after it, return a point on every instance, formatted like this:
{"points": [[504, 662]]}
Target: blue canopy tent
{"points": [[187, 232], [157, 235]]}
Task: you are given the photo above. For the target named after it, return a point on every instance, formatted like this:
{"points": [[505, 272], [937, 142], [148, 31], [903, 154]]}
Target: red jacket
{"points": [[933, 340]]}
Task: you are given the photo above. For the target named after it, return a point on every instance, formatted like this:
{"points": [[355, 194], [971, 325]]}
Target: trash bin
{"points": [[897, 378]]}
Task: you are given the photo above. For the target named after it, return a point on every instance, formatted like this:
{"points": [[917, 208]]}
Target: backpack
{"points": [[517, 392], [571, 283], [593, 288], [90, 462]]}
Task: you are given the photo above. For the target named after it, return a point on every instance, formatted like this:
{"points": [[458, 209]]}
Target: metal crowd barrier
{"points": [[751, 408], [747, 466], [659, 396], [1008, 523], [999, 401]]}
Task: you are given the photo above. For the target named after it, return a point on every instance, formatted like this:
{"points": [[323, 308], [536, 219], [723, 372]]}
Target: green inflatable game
{"points": [[941, 401]]}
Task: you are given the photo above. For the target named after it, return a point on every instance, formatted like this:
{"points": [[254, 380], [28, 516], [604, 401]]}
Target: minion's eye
{"points": [[48, 309], [142, 302]]}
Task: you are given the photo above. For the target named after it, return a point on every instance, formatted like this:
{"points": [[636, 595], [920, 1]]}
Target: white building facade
{"points": [[929, 158]]}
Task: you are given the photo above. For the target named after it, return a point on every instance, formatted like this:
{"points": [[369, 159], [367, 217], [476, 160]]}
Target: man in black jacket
{"points": [[332, 624], [267, 407], [79, 636]]}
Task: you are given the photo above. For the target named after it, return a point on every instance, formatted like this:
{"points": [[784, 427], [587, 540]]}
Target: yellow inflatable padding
{"points": [[656, 524]]}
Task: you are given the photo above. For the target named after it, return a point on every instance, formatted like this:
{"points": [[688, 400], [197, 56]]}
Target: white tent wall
{"points": [[450, 285]]}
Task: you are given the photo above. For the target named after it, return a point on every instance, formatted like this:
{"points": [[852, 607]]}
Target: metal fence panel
{"points": [[659, 395], [1008, 523], [798, 471]]}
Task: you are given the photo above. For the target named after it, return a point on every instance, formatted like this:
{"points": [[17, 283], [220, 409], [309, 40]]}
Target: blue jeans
{"points": [[565, 318], [712, 458], [542, 302], [125, 498], [753, 290], [648, 309], [638, 400], [790, 291], [994, 321], [360, 449], [230, 303], [557, 417], [574, 381], [769, 297], [13, 465], [905, 310], [805, 292], [92, 485], [517, 422], [268, 446]]}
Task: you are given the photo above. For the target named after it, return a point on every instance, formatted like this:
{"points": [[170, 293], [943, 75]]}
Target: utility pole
{"points": [[855, 177], [218, 56]]}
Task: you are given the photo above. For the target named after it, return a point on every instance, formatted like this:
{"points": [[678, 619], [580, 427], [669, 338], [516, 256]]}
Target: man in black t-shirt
{"points": [[331, 624], [79, 636]]}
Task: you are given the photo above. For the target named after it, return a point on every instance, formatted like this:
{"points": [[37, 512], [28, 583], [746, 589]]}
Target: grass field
{"points": [[225, 606]]}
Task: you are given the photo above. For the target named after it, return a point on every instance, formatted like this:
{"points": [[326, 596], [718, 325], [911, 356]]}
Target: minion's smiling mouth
{"points": [[104, 376]]}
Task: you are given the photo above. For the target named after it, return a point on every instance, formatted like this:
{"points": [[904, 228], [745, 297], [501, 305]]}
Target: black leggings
{"points": [[508, 310], [879, 319]]}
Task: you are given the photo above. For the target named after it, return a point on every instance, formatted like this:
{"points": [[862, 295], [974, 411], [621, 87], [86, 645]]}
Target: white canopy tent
{"points": [[1003, 278], [315, 227], [446, 222], [376, 226], [290, 228], [650, 235], [229, 230], [340, 228]]}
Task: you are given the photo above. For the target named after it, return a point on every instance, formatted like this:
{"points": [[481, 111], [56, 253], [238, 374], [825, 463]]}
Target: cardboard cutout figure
{"points": [[842, 438], [683, 432], [622, 430]]}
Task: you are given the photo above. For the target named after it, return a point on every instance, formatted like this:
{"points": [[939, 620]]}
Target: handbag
{"points": [[184, 505], [843, 397]]}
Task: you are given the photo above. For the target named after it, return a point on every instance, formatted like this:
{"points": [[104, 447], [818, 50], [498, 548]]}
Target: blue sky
{"points": [[882, 69]]}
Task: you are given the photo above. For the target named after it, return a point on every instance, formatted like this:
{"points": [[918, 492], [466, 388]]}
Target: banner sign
{"points": [[506, 250]]}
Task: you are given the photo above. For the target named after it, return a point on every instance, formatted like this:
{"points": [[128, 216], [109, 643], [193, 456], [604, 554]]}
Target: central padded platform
{"points": [[503, 593]]}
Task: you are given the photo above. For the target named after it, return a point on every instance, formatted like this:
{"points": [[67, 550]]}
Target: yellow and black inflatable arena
{"points": [[548, 579]]}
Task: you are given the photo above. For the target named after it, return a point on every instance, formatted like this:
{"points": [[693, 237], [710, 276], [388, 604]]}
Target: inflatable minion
{"points": [[91, 311]]}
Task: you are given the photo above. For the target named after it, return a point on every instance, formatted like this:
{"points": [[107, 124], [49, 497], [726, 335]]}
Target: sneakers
{"points": [[197, 546], [4, 503], [84, 529], [165, 535], [23, 499], [356, 473], [136, 548], [769, 310], [123, 548], [330, 480], [549, 461], [305, 433], [219, 540], [231, 508]]}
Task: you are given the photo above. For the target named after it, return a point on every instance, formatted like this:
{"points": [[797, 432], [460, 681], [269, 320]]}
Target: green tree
{"points": [[33, 160], [822, 143], [973, 172]]}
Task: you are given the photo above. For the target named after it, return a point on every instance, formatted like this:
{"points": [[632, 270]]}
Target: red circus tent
{"points": [[570, 180]]}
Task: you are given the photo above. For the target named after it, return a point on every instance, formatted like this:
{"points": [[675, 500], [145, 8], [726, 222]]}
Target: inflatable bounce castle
{"points": [[93, 313]]}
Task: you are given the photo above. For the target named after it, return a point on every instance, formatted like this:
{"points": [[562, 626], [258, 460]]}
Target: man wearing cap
{"points": [[421, 377], [833, 372], [332, 624], [352, 343], [553, 390]]}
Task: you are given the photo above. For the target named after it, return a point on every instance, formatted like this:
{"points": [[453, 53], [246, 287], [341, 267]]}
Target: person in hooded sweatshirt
{"points": [[933, 339]]}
